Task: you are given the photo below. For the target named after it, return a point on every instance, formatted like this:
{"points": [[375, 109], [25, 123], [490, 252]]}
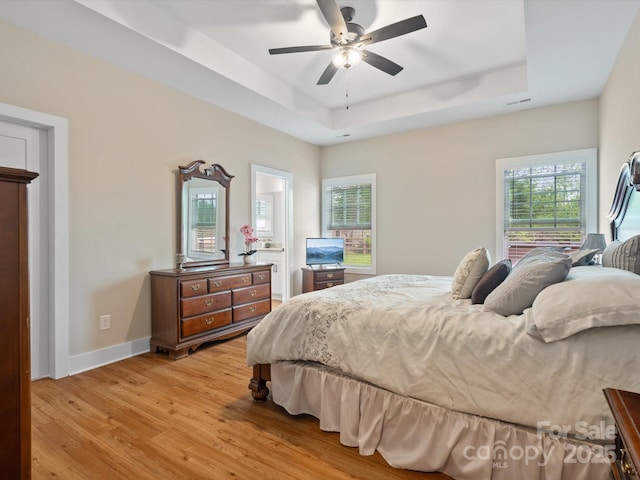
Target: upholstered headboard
{"points": [[625, 208]]}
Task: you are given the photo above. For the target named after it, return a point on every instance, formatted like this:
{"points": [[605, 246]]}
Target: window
{"points": [[264, 216], [349, 212], [545, 200], [203, 217]]}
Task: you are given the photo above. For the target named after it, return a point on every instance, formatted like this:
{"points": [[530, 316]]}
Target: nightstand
{"points": [[625, 407], [320, 278]]}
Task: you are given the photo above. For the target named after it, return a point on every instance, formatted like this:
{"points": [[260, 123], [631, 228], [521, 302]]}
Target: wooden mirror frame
{"points": [[215, 173]]}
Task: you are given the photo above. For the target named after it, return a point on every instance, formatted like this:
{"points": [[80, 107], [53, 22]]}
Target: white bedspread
{"points": [[406, 334]]}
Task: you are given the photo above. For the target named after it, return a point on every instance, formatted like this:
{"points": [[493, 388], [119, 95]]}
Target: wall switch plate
{"points": [[105, 322]]}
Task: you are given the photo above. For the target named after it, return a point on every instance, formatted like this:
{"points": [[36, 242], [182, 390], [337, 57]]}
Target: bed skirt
{"points": [[416, 435]]}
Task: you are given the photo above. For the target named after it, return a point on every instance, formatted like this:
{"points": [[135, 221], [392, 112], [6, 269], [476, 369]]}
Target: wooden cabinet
{"points": [[276, 257], [319, 278], [625, 407], [15, 354], [196, 305]]}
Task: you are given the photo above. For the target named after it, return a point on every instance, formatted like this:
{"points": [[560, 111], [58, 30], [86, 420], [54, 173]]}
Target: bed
{"points": [[409, 366]]}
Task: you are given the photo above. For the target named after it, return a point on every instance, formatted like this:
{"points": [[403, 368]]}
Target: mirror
{"points": [[203, 214]]}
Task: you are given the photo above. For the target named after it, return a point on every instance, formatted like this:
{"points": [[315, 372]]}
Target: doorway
{"points": [[22, 147], [39, 142], [271, 207]]}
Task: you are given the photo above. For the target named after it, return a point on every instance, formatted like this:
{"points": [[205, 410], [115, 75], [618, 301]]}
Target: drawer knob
{"points": [[252, 292], [217, 283], [330, 284], [330, 275], [262, 276], [209, 320], [253, 308], [245, 279], [208, 302], [195, 287]]}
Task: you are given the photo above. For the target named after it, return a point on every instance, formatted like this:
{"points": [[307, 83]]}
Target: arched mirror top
{"points": [[203, 214]]}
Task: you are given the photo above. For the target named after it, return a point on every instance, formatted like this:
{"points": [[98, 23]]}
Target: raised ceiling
{"points": [[476, 57]]}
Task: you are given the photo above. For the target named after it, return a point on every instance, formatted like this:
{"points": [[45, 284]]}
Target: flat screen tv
{"points": [[325, 251]]}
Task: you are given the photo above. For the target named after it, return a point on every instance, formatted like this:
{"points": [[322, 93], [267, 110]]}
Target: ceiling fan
{"points": [[349, 39]]}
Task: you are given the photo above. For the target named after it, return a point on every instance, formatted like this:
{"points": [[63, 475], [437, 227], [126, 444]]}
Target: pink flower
{"points": [[249, 239]]}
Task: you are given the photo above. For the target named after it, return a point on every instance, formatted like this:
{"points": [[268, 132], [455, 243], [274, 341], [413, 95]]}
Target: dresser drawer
{"points": [[625, 407], [323, 285], [261, 277], [250, 294], [192, 288], [227, 283], [251, 310], [204, 323], [336, 277], [205, 303]]}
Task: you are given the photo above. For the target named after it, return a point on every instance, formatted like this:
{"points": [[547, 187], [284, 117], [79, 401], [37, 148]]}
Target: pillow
{"points": [[581, 258], [532, 255], [607, 255], [590, 297], [523, 284], [490, 280], [471, 269], [623, 255]]}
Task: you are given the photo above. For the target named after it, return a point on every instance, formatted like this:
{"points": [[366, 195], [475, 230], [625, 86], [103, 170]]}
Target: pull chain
{"points": [[347, 94]]}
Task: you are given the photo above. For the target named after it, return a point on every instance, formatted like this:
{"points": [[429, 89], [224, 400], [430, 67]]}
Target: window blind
{"points": [[546, 206], [349, 207]]}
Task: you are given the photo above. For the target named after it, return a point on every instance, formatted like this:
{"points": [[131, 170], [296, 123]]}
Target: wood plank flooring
{"points": [[149, 417]]}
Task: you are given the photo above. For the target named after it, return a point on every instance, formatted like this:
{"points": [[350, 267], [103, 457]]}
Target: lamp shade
{"points": [[346, 57], [594, 240]]}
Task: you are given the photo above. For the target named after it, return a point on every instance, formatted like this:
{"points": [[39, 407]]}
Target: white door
{"points": [[23, 146]]}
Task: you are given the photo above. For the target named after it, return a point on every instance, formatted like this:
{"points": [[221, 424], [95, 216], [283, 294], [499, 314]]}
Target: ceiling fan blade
{"points": [[309, 48], [328, 74], [394, 30], [381, 63], [334, 18]]}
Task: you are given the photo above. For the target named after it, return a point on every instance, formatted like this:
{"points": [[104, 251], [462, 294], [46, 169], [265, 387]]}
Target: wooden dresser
{"points": [[15, 354], [625, 407], [196, 305], [319, 278]]}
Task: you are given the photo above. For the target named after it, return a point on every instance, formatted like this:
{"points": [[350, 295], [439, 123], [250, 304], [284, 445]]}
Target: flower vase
{"points": [[248, 259]]}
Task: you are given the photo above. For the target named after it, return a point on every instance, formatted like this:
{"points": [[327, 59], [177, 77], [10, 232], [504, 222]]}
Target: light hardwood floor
{"points": [[149, 417]]}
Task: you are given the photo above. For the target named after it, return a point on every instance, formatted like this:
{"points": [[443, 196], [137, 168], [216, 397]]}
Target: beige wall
{"points": [[436, 187], [619, 119], [127, 135]]}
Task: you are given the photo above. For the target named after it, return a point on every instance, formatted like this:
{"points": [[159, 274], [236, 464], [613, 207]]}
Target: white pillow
{"points": [[471, 269], [526, 281], [589, 297]]}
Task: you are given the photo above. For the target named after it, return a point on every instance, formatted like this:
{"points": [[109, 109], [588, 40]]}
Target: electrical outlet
{"points": [[105, 322]]}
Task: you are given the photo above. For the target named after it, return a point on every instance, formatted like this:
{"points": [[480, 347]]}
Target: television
{"points": [[325, 251]]}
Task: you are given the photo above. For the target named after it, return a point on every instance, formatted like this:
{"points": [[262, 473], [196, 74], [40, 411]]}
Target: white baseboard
{"points": [[104, 356]]}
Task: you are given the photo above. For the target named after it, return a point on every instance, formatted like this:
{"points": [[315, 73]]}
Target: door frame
{"points": [[288, 217], [57, 138]]}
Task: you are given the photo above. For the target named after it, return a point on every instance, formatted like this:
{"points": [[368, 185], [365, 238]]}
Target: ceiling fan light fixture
{"points": [[346, 58]]}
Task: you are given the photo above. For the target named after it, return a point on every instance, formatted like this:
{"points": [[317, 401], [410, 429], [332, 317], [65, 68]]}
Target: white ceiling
{"points": [[476, 57]]}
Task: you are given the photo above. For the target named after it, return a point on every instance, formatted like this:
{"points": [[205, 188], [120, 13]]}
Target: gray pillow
{"points": [[583, 257], [520, 288], [533, 255], [623, 255]]}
